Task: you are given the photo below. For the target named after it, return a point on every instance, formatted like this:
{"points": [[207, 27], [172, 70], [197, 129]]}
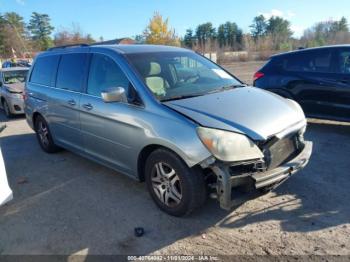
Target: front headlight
{"points": [[228, 146]]}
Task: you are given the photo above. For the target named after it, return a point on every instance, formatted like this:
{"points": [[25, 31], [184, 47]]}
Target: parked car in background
{"points": [[16, 63], [168, 116], [12, 82], [317, 78], [5, 190]]}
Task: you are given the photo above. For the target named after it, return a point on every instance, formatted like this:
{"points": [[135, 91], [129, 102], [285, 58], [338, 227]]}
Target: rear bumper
{"points": [[16, 105], [272, 178]]}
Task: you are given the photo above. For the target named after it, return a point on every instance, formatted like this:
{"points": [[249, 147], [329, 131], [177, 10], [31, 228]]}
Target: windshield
{"points": [[176, 75], [13, 77]]}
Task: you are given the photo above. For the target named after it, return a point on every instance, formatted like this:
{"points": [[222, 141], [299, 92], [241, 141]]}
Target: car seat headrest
{"points": [[154, 69]]}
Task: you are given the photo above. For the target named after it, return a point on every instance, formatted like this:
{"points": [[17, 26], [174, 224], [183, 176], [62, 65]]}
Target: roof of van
{"points": [[122, 48], [137, 48], [309, 49]]}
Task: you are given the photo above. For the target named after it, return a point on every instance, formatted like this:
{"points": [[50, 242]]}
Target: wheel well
{"points": [[2, 99], [141, 162], [35, 115], [145, 152]]}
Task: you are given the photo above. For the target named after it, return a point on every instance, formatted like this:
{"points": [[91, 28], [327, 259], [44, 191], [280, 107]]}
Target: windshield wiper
{"points": [[182, 97], [202, 94], [224, 88], [232, 86]]}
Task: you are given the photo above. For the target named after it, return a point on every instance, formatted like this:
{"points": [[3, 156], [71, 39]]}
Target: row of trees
{"points": [[205, 36], [266, 35], [230, 37], [17, 37], [327, 33]]}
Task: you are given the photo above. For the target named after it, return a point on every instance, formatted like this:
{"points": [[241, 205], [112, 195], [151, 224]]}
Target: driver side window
{"points": [[105, 73]]}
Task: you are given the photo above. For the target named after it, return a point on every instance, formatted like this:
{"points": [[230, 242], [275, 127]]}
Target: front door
{"points": [[107, 128]]}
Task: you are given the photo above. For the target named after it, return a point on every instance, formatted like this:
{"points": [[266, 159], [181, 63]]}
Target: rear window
{"points": [[14, 77], [44, 70], [313, 61], [71, 72]]}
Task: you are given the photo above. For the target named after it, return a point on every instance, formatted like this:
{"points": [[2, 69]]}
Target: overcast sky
{"points": [[121, 18]]}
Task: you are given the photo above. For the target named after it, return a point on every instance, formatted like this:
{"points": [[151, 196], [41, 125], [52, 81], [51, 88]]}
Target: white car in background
{"points": [[5, 190], [12, 82]]}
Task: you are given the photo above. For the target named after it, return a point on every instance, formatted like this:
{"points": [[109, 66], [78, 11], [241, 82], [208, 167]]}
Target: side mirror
{"points": [[114, 94]]}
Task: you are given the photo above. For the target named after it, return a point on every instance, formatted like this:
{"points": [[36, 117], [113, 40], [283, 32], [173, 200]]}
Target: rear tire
{"points": [[44, 136], [7, 110], [176, 189]]}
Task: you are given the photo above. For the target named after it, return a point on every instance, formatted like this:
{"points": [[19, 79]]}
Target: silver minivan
{"points": [[167, 116]]}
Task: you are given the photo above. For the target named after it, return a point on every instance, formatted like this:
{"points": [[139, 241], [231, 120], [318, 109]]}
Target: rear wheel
{"points": [[44, 136], [175, 188], [7, 110]]}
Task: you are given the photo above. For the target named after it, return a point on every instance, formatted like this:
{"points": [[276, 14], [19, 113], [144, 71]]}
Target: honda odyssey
{"points": [[167, 116]]}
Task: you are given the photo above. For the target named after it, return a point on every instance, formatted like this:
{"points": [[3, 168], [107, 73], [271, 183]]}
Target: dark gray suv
{"points": [[168, 116]]}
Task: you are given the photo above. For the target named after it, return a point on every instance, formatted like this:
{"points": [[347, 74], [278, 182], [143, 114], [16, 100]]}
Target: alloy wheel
{"points": [[43, 133], [6, 108], [166, 184]]}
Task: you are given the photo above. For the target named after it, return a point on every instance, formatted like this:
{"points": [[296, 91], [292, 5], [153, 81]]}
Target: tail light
{"points": [[258, 75], [24, 95]]}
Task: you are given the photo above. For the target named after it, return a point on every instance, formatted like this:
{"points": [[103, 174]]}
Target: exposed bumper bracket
{"points": [[225, 181]]}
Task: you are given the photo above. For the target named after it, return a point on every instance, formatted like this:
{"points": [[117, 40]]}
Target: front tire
{"points": [[7, 110], [175, 188], [44, 136]]}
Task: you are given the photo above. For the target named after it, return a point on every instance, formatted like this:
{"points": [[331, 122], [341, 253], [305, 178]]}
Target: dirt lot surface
{"points": [[244, 70], [65, 204]]}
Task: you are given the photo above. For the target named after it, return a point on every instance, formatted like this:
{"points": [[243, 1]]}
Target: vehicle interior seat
{"points": [[154, 79]]}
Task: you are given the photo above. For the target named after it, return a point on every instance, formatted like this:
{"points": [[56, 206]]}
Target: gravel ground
{"points": [[65, 204]]}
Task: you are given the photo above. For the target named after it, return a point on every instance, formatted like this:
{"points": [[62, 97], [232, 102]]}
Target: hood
{"points": [[254, 112], [17, 87]]}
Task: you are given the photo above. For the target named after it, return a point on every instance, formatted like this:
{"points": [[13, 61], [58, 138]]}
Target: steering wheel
{"points": [[193, 78]]}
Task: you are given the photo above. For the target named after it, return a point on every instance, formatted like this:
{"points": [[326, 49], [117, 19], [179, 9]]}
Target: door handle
{"points": [[88, 106], [71, 102]]}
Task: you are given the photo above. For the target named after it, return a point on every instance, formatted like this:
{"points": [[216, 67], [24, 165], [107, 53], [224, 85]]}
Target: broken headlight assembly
{"points": [[228, 146]]}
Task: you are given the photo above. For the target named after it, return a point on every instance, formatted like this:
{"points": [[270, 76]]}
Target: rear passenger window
{"points": [[44, 70], [71, 71], [313, 61]]}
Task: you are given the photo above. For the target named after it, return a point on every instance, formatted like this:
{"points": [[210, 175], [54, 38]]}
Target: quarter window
{"points": [[71, 71], [44, 70], [105, 73]]}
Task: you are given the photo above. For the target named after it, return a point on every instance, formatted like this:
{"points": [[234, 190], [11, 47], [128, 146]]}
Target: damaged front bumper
{"points": [[226, 181]]}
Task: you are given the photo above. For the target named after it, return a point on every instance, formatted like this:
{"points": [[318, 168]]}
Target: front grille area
{"points": [[278, 151]]}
